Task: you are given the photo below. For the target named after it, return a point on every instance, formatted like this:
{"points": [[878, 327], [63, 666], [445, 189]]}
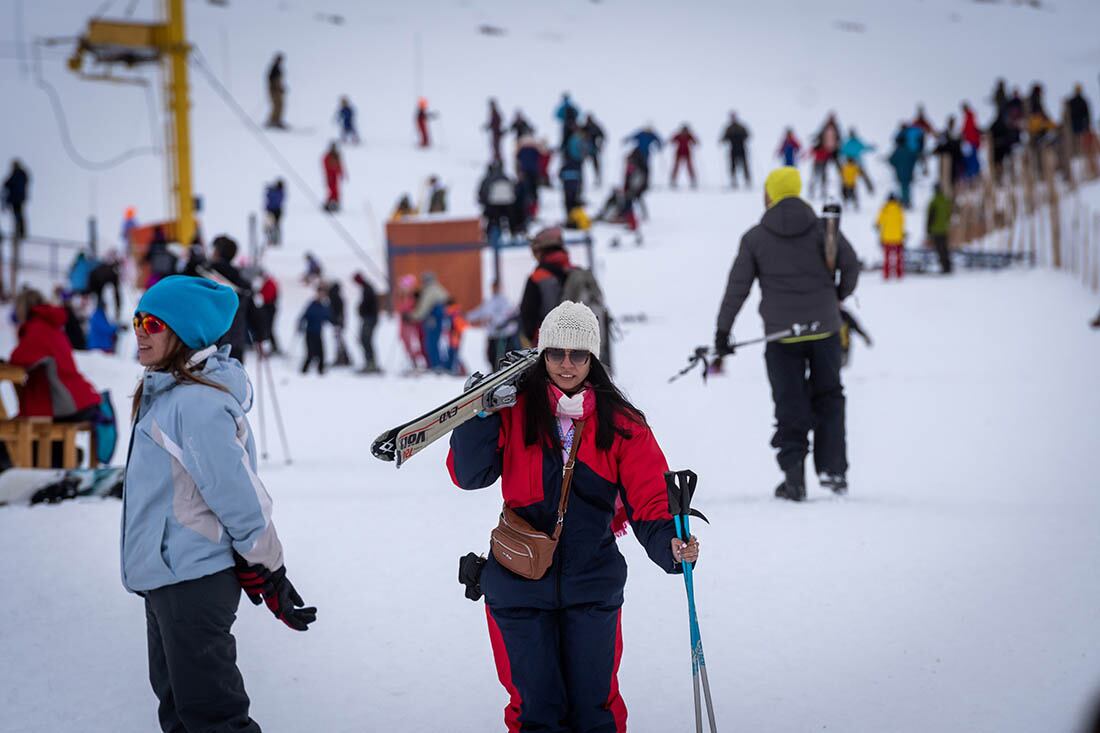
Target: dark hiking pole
{"points": [[681, 487], [704, 354], [831, 214]]}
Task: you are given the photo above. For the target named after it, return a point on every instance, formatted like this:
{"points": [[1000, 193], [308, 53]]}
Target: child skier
{"points": [[409, 330], [849, 176], [557, 638], [789, 148], [891, 230], [196, 520]]}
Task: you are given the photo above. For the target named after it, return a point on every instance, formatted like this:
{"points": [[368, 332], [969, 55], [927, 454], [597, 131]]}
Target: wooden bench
{"points": [[29, 440]]}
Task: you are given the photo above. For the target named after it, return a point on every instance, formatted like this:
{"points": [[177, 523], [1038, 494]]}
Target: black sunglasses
{"points": [[577, 357]]}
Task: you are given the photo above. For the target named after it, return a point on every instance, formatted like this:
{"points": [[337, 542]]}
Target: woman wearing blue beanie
{"points": [[196, 526]]}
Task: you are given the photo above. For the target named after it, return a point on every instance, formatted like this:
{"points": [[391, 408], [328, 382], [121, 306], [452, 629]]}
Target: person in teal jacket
{"points": [[196, 520], [853, 149]]}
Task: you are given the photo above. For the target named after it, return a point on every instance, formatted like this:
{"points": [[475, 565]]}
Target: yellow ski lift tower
{"points": [[132, 44]]}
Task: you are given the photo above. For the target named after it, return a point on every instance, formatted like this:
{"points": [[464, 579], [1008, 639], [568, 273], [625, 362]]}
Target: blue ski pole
{"points": [[681, 487]]}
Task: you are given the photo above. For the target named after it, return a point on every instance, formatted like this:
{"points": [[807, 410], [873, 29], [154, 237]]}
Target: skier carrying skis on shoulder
{"points": [[557, 638], [196, 521], [786, 251]]}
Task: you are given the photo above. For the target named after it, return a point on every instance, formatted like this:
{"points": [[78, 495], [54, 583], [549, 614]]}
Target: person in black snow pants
{"points": [[368, 318], [196, 520], [338, 310], [736, 135], [312, 324], [557, 640], [14, 198], [786, 252]]}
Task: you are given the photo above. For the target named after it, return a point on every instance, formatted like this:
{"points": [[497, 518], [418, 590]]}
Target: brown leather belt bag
{"points": [[520, 547]]}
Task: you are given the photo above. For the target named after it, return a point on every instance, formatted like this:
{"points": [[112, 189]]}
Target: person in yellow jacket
{"points": [[849, 176], [891, 232]]}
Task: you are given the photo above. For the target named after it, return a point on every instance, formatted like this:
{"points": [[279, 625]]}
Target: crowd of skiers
{"points": [[196, 524]]}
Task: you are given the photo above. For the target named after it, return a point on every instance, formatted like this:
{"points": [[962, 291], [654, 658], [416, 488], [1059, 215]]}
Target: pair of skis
{"points": [[401, 443], [681, 487]]}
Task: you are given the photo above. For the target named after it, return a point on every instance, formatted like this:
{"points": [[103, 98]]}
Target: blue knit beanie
{"points": [[198, 310]]}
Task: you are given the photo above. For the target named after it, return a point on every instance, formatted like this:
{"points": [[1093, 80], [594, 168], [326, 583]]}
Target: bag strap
{"points": [[567, 477]]}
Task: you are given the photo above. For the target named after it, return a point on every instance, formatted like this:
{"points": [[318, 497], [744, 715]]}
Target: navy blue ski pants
{"points": [[560, 668]]}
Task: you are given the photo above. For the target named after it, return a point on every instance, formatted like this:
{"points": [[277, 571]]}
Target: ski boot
{"points": [[834, 482], [793, 487]]}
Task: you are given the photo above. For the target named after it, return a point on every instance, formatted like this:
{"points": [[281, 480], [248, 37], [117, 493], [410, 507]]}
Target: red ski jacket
{"points": [[684, 142], [588, 567], [43, 337]]}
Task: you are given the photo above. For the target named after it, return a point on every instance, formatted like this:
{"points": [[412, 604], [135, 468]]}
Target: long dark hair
{"points": [[540, 422], [177, 363]]}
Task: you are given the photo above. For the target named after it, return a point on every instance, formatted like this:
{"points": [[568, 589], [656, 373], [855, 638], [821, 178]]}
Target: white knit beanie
{"points": [[570, 326]]}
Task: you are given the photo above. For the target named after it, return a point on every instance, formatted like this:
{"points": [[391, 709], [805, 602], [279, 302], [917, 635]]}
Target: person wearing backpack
{"points": [[543, 290], [574, 454], [497, 196], [555, 279], [786, 252]]}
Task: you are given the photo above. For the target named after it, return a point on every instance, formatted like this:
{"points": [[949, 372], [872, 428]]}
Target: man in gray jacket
{"points": [[786, 251]]}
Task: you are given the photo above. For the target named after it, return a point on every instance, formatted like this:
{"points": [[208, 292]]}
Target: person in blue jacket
{"points": [[567, 114], [312, 324], [196, 520], [644, 141], [557, 640], [345, 118]]}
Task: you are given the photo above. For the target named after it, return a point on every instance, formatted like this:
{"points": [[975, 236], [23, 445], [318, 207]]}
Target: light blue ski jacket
{"points": [[191, 495]]}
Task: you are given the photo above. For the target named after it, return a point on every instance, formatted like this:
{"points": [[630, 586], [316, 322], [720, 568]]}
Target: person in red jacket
{"points": [[684, 141], [972, 141], [269, 305], [557, 640], [334, 173], [54, 387]]}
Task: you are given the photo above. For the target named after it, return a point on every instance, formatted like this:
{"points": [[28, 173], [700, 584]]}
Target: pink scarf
{"points": [[581, 406]]}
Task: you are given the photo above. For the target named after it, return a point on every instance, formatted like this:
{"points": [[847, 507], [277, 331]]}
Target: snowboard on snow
{"points": [[49, 486], [401, 443]]}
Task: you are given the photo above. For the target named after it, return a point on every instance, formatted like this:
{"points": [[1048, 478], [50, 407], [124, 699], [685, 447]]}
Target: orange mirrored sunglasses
{"points": [[151, 324]]}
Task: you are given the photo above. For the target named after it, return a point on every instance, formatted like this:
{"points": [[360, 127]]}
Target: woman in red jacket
{"points": [[54, 387], [557, 640]]}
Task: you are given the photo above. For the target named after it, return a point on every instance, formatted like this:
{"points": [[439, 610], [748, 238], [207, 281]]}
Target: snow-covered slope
{"points": [[954, 591]]}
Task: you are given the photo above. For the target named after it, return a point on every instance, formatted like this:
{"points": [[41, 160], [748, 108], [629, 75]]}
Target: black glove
{"points": [[273, 588], [469, 574], [510, 358], [722, 344]]}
